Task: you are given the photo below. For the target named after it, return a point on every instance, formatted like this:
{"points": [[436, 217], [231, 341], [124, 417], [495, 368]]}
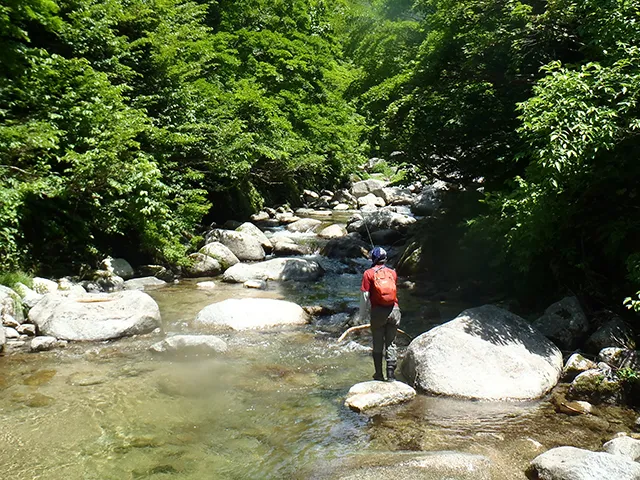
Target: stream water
{"points": [[272, 407]]}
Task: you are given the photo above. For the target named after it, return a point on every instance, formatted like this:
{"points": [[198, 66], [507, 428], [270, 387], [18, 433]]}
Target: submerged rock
{"points": [[368, 395], [43, 344], [251, 313], [485, 353], [190, 344], [96, 317], [570, 463], [283, 269], [143, 282]]}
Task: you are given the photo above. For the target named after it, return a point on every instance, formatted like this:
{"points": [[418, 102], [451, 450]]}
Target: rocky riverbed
{"points": [[232, 369]]}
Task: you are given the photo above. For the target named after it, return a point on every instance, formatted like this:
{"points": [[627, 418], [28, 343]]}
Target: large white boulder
{"points": [[571, 463], [367, 395], [283, 269], [360, 189], [244, 246], [251, 313], [44, 285], [383, 219], [96, 317], [484, 353], [203, 266], [220, 253], [304, 225]]}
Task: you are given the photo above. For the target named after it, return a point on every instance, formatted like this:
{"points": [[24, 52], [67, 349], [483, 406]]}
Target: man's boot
{"points": [[391, 370], [377, 363]]}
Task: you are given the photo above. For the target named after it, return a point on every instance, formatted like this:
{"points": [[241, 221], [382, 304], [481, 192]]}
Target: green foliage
{"points": [[628, 375], [11, 279]]}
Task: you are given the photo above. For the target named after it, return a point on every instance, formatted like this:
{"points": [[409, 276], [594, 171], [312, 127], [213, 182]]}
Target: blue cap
{"points": [[378, 254]]}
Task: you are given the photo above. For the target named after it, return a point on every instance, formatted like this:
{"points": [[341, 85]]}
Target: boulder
{"points": [[10, 333], [344, 197], [395, 195], [259, 217], [427, 202], [333, 231], [117, 266], [368, 395], [596, 386], [283, 269], [360, 189], [410, 262], [444, 465], [341, 207], [250, 229], [44, 285], [27, 329], [221, 254], [304, 225], [287, 247], [203, 266], [564, 323], [350, 246], [257, 284], [614, 333], [484, 353], [143, 282], [3, 339], [251, 313], [96, 317], [29, 297], [104, 281], [370, 200], [157, 271], [10, 306], [190, 344], [286, 218], [383, 219], [570, 463], [43, 344], [244, 246], [623, 446], [576, 364]]}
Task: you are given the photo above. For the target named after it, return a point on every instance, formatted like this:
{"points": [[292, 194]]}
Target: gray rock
{"points": [[44, 285], [10, 306], [206, 285], [143, 282], [623, 446], [576, 364], [43, 344], [368, 395], [596, 386], [3, 339], [203, 266], [251, 313], [104, 281], [117, 266], [257, 284], [244, 246], [282, 269], [618, 357], [10, 333], [427, 202], [386, 237], [333, 231], [395, 196], [220, 253], [614, 333], [370, 200], [190, 344], [360, 189], [286, 247], [29, 297], [485, 353], [570, 463], [260, 217], [304, 225], [383, 219], [27, 329], [286, 218], [564, 323], [341, 207], [157, 271], [443, 465], [350, 246], [96, 317], [250, 229], [344, 197]]}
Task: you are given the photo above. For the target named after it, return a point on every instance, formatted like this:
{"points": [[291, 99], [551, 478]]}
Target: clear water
{"points": [[270, 408]]}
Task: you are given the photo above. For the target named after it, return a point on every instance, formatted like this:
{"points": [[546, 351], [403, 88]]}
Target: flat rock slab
{"points": [[373, 394], [570, 463], [442, 465], [189, 344], [143, 282], [96, 317], [251, 313]]}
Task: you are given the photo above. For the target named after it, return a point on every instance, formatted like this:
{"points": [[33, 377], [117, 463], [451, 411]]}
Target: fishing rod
{"points": [[364, 219]]}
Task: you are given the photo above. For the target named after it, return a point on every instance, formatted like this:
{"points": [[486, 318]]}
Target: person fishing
{"points": [[379, 299]]}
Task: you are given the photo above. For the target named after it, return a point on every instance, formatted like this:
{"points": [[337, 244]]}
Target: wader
{"points": [[384, 325]]}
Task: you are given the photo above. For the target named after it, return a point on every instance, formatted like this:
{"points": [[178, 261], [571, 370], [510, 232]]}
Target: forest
{"points": [[126, 125]]}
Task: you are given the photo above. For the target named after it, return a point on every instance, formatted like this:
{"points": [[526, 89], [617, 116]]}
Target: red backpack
{"points": [[384, 287]]}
